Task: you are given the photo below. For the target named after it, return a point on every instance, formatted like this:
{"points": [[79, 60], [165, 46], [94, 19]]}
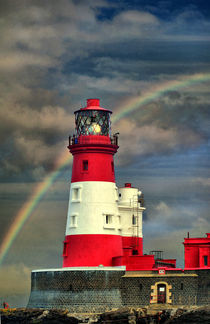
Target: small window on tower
{"points": [[65, 249], [134, 220], [73, 221], [135, 252], [85, 165], [112, 165], [108, 219], [76, 194], [205, 260]]}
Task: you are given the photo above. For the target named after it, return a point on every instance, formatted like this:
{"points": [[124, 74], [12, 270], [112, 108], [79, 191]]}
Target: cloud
{"points": [[35, 152], [203, 182], [181, 26], [47, 119], [19, 60], [130, 24], [137, 140], [37, 137], [168, 223], [167, 217], [49, 35]]}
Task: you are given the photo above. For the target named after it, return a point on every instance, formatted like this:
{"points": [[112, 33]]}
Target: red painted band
{"points": [[95, 166], [92, 250]]}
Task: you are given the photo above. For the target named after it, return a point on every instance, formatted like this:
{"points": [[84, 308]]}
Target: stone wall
{"points": [[79, 291], [139, 291], [203, 294], [101, 290]]}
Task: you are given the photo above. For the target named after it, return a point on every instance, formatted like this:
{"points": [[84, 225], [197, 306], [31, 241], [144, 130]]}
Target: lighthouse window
{"points": [[134, 220], [73, 221], [76, 194], [85, 165], [112, 165], [108, 219], [205, 259], [65, 250], [135, 252]]}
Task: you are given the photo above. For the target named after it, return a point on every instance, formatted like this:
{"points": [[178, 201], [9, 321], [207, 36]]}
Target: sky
{"points": [[56, 54]]}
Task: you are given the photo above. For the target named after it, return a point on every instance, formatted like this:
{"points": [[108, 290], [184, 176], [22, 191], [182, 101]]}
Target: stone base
{"points": [[92, 289], [100, 289]]}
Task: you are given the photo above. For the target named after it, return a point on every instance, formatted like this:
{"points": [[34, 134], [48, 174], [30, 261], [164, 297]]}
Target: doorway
{"points": [[161, 292]]}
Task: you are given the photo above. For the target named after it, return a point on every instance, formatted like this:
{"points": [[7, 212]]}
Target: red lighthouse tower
{"points": [[93, 222]]}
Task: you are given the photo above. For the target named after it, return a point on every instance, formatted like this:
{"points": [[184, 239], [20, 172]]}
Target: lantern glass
{"points": [[93, 122]]}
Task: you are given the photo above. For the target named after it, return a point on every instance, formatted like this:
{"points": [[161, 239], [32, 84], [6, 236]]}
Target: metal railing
{"points": [[74, 139], [114, 139]]}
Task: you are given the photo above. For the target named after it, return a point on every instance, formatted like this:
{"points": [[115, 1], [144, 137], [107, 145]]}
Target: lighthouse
{"points": [[93, 229], [104, 266]]}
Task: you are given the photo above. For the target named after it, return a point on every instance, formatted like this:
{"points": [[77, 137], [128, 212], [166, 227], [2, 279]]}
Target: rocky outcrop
{"points": [[192, 315], [36, 316]]}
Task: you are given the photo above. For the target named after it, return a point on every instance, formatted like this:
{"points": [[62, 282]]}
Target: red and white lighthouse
{"points": [[93, 234]]}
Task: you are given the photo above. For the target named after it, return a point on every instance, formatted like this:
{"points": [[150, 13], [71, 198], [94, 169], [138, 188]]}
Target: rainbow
{"points": [[31, 203], [155, 92]]}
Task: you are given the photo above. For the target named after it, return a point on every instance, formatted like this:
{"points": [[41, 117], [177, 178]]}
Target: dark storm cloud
{"points": [[174, 123], [35, 137], [165, 217], [54, 54], [53, 50], [164, 9], [178, 110], [139, 61]]}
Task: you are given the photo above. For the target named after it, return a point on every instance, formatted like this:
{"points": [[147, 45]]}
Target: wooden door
{"points": [[161, 294]]}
